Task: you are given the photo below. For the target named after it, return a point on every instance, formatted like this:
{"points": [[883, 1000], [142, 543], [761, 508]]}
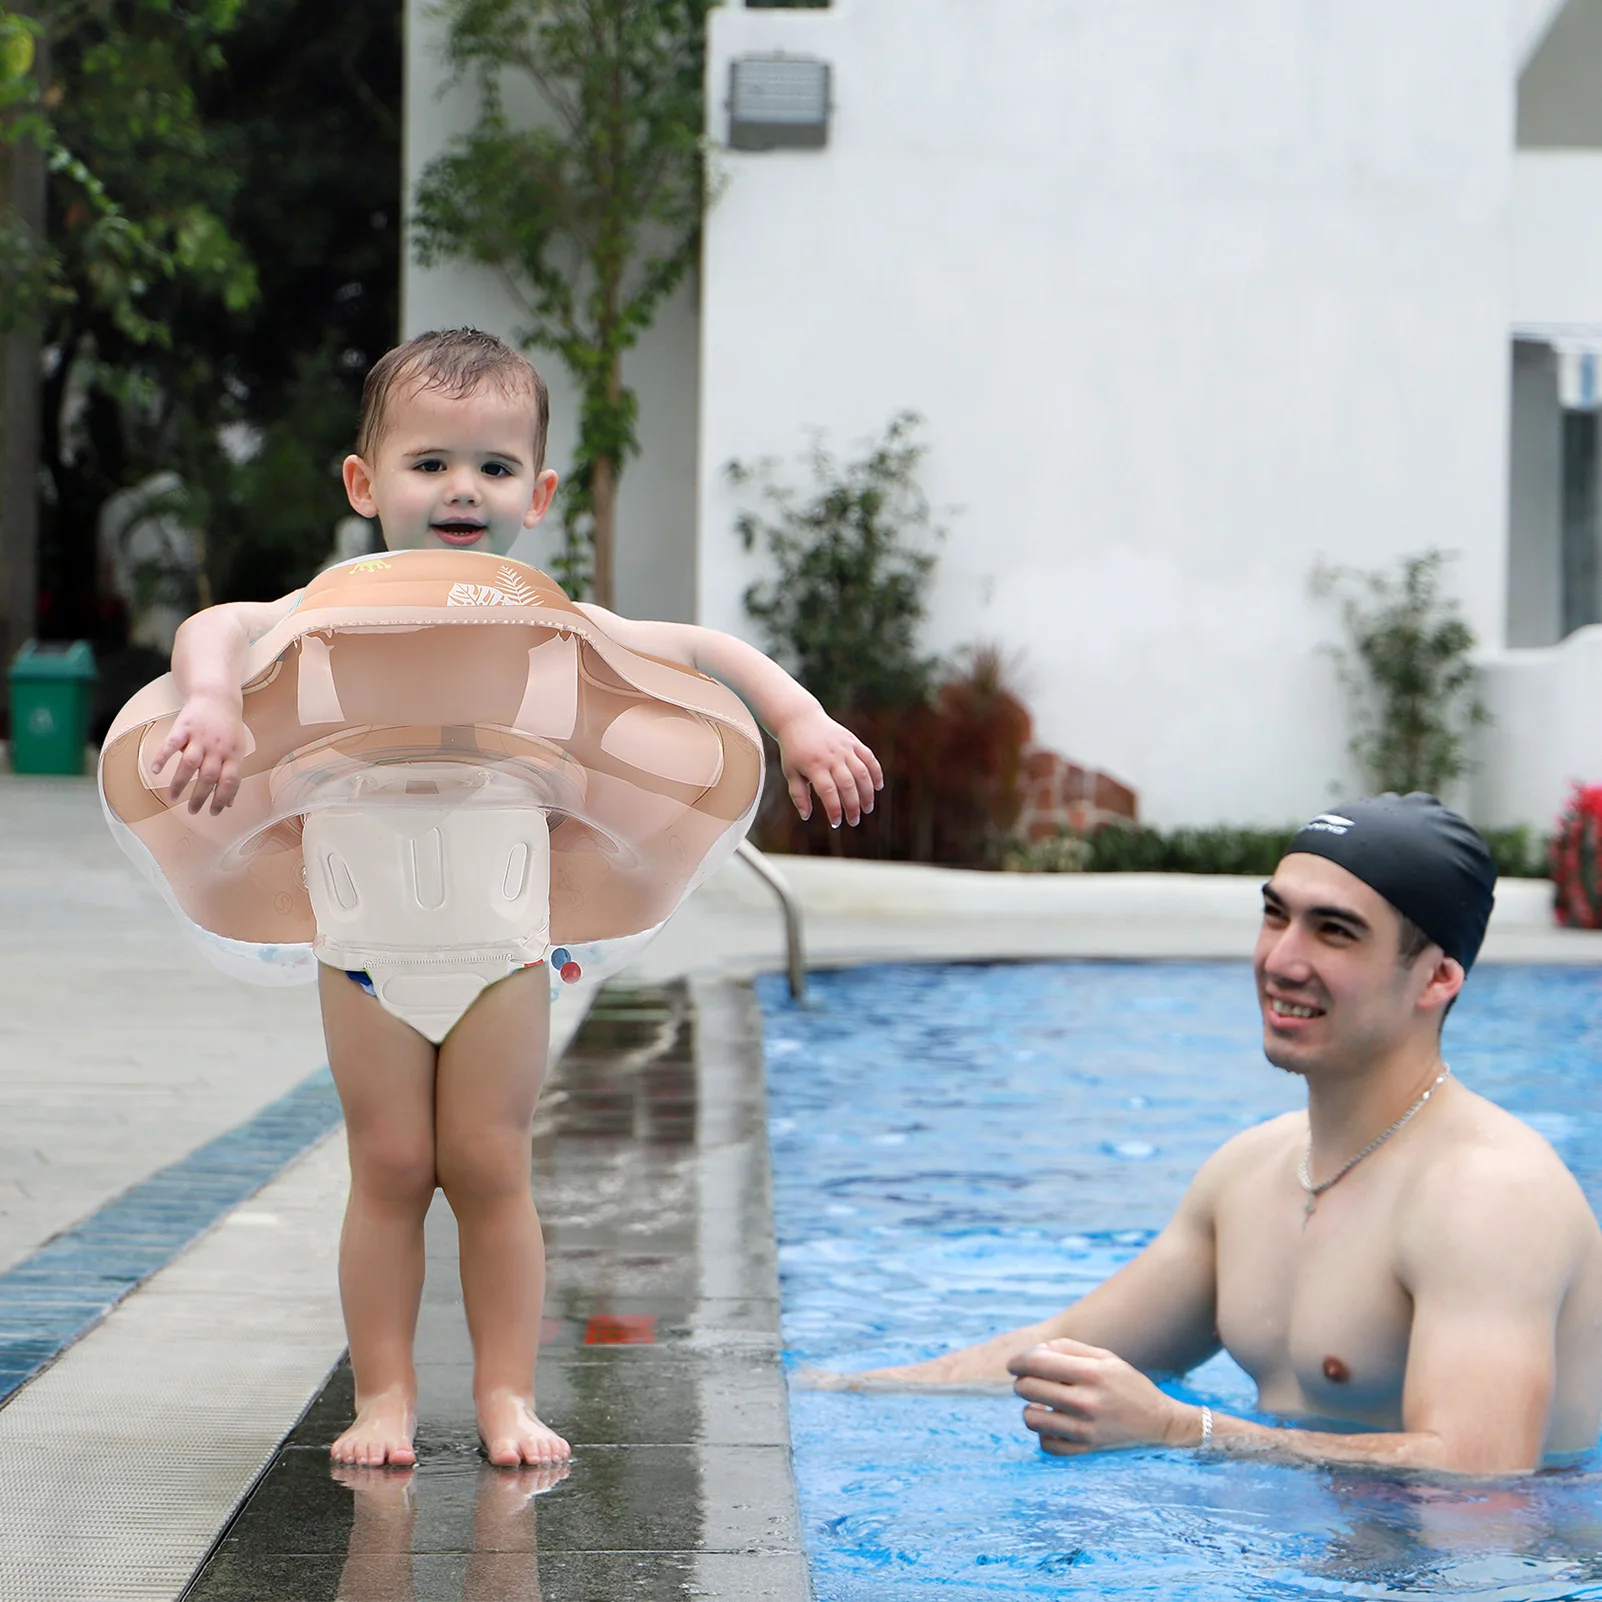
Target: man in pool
{"points": [[1404, 1257]]}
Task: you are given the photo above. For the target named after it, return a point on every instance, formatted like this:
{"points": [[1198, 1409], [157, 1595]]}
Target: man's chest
{"points": [[1311, 1308]]}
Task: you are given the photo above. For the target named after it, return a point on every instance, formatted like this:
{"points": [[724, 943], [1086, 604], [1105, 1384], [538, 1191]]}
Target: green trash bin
{"points": [[51, 683]]}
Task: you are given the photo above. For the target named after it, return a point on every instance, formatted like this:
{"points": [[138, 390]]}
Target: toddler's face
{"points": [[453, 472]]}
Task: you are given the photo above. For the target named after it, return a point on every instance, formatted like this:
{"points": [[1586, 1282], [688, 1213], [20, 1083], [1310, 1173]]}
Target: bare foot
{"points": [[513, 1435], [382, 1433]]}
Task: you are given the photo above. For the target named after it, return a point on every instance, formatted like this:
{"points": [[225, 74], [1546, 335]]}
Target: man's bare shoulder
{"points": [[1263, 1141], [1481, 1139], [1249, 1152], [1487, 1180]]}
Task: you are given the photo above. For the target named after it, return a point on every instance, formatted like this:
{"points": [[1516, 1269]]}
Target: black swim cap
{"points": [[1429, 863]]}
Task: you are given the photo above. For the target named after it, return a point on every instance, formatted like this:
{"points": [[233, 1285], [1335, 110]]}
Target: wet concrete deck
{"points": [[660, 1363]]}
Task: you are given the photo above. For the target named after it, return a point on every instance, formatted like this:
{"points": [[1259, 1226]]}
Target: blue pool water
{"points": [[960, 1150]]}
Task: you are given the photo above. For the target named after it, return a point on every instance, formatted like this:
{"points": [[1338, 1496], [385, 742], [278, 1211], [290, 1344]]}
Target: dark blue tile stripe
{"points": [[52, 1297]]}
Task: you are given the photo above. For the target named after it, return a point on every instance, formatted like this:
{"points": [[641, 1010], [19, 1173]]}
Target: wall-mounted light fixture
{"points": [[778, 103]]}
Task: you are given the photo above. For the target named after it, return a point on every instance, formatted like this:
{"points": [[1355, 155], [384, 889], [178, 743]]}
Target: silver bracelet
{"points": [[1207, 1430]]}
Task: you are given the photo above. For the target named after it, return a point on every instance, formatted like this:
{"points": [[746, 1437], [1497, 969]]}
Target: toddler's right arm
{"points": [[208, 665]]}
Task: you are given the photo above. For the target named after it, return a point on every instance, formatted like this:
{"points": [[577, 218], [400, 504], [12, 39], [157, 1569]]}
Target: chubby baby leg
{"points": [[384, 1071], [490, 1069]]}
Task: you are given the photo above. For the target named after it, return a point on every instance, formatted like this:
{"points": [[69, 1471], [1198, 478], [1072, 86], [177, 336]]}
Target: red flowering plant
{"points": [[1577, 860]]}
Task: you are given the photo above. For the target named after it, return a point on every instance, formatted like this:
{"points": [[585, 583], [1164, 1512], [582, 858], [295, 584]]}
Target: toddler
{"points": [[450, 452]]}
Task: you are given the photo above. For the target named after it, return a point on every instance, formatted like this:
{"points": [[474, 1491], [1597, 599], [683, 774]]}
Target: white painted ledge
{"points": [[888, 911]]}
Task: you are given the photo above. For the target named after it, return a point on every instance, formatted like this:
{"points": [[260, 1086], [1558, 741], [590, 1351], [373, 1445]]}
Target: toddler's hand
{"points": [[824, 758], [209, 739]]}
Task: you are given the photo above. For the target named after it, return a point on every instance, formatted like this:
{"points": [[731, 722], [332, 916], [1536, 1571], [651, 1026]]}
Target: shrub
{"points": [[1125, 848], [953, 769], [1414, 689], [843, 611], [1062, 852], [1519, 853], [1576, 873], [848, 596], [1119, 848]]}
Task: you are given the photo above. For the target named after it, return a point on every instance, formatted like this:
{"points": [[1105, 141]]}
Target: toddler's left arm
{"points": [[819, 755]]}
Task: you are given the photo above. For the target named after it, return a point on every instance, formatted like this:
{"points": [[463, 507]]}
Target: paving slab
{"points": [[660, 1362], [121, 1048]]}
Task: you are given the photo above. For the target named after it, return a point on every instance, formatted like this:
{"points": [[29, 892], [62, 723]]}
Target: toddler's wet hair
{"points": [[455, 361]]}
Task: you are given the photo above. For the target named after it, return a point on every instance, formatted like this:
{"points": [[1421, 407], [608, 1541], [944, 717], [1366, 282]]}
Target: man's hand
{"points": [[1084, 1399], [210, 740], [821, 757]]}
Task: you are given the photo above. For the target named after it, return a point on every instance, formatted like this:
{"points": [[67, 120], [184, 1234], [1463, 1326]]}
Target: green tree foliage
{"points": [[100, 116], [26, 280], [287, 135], [1409, 670], [591, 214], [849, 593], [116, 117]]}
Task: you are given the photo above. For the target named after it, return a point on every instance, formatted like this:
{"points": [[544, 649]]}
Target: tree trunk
{"points": [[603, 505], [19, 489], [19, 414], [604, 474], [205, 593]]}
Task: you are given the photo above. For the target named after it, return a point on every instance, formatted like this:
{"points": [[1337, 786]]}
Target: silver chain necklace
{"points": [[1305, 1176]]}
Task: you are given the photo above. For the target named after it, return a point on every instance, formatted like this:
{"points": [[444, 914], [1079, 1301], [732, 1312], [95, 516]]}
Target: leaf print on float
{"points": [[477, 595], [516, 591], [510, 591]]}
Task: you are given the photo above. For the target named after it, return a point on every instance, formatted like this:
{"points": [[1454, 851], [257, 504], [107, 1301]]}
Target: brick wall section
{"points": [[1059, 794]]}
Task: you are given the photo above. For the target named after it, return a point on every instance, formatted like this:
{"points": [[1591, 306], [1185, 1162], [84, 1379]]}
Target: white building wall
{"points": [[656, 510], [1192, 297], [1557, 239], [1532, 21], [1547, 734]]}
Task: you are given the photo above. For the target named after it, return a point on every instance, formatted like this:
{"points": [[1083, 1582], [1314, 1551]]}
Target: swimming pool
{"points": [[958, 1150]]}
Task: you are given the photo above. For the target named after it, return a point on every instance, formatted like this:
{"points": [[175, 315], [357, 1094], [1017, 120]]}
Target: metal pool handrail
{"points": [[794, 944]]}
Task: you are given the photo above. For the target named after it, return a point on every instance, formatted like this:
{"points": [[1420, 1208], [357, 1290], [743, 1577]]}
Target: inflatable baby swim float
{"points": [[452, 773]]}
